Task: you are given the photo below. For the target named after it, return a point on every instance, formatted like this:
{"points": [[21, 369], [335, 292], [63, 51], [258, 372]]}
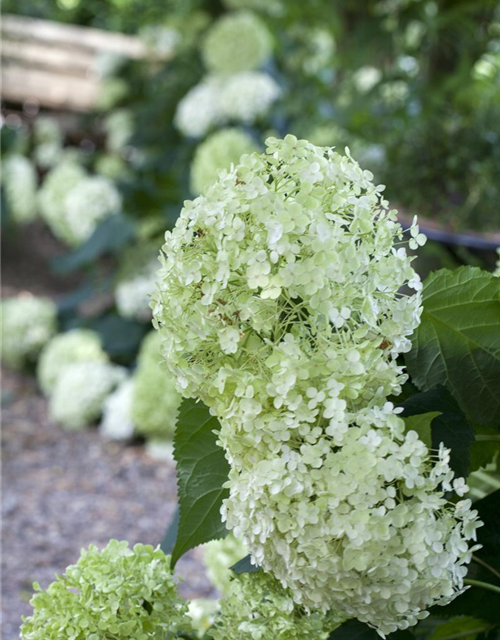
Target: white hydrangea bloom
{"points": [[92, 200], [497, 270], [133, 294], [218, 151], [28, 323], [117, 423], [219, 556], [119, 127], [59, 182], [239, 41], [161, 40], [202, 612], [20, 184], [248, 95], [48, 137], [162, 450], [362, 527], [280, 306], [200, 109], [79, 394], [78, 345]]}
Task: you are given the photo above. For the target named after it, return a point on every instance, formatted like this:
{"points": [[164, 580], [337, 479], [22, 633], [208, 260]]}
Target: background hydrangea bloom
{"points": [[219, 556], [78, 345], [20, 183], [118, 593], [156, 401], [218, 151], [136, 282], [117, 421], [247, 96], [200, 108], [237, 42], [258, 608], [28, 323], [79, 394]]}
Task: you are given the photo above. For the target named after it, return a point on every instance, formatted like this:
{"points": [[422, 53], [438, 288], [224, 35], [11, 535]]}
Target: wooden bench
{"points": [[57, 65]]}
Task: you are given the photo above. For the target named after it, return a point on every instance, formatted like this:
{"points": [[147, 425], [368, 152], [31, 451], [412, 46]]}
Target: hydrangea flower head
{"points": [[200, 109], [78, 345], [116, 423], [79, 393], [218, 151], [136, 282], [28, 323], [56, 187], [258, 608], [219, 556], [156, 401], [117, 593], [248, 96], [238, 41], [92, 200], [20, 183]]}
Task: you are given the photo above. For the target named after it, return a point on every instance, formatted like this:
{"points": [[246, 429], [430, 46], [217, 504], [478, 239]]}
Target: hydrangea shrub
{"points": [[28, 323], [118, 593], [20, 182]]}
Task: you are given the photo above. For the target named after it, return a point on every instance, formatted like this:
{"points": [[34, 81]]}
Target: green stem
{"points": [[482, 585], [485, 565], [466, 634], [487, 437]]}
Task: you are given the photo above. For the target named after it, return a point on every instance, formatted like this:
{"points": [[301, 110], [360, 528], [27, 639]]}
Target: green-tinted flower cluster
{"points": [[78, 345], [237, 42], [219, 556], [156, 401], [80, 392], [116, 594], [20, 184], [28, 323], [136, 282], [73, 203], [218, 151], [258, 608]]}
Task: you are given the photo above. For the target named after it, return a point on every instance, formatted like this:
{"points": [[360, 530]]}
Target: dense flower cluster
{"points": [[237, 42], [280, 306], [258, 608], [79, 394], [78, 345], [119, 127], [20, 184], [48, 138], [92, 200], [116, 423], [28, 323], [136, 282], [117, 593], [218, 151], [59, 182], [156, 401], [219, 556], [242, 97], [202, 613], [73, 203]]}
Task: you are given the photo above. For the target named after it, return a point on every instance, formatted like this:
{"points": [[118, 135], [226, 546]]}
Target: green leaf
{"points": [[202, 469], [450, 427], [458, 628], [354, 630], [458, 341], [168, 543], [108, 237], [244, 566], [478, 602], [120, 337], [422, 425]]}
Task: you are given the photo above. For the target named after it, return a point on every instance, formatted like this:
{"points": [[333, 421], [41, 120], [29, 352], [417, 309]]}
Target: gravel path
{"points": [[63, 491]]}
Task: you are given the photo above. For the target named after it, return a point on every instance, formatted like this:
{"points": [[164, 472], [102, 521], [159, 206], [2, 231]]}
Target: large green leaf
{"points": [[356, 630], [202, 469], [458, 341], [463, 627], [245, 566], [442, 419]]}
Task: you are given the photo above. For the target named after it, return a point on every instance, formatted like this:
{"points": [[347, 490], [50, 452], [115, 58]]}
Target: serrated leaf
{"points": [[202, 469], [245, 566], [422, 424], [108, 237], [459, 626], [451, 427], [458, 341]]}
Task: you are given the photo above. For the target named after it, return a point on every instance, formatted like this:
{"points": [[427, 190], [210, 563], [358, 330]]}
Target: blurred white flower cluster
{"points": [[116, 423], [219, 151], [28, 323], [234, 90], [20, 184], [136, 282], [219, 556], [280, 305], [73, 203]]}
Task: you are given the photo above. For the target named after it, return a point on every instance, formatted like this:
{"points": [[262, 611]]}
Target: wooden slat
{"points": [[49, 88], [55, 33], [33, 53]]}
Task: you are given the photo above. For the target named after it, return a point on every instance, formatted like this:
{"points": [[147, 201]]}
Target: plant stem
{"points": [[480, 437], [486, 565], [482, 585], [465, 634]]}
